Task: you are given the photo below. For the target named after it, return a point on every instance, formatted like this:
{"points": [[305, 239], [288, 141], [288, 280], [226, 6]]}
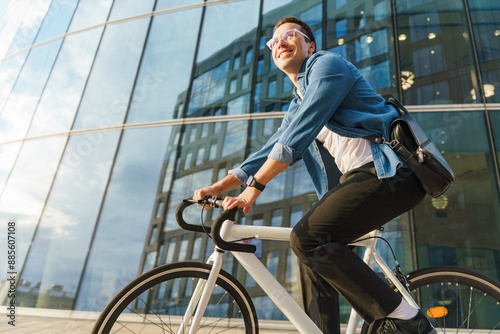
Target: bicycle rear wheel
{"points": [[457, 300], [156, 302]]}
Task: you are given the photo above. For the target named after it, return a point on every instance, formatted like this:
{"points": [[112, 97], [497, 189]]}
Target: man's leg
{"points": [[321, 301], [358, 205]]}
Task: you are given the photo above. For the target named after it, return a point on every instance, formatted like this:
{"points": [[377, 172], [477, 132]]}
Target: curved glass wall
{"points": [[112, 112]]}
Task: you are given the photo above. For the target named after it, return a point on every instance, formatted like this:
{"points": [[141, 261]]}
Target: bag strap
{"points": [[398, 106], [400, 109]]}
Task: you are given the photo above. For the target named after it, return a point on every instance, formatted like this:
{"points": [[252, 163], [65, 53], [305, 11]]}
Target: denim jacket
{"points": [[335, 95]]}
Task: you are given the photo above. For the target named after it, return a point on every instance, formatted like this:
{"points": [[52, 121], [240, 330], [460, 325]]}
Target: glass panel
{"points": [[235, 136], [25, 193], [495, 121], [8, 152], [362, 33], [165, 70], [427, 31], [24, 37], [109, 86], [19, 108], [55, 261], [225, 39], [9, 71], [461, 227], [197, 248], [129, 202], [277, 218], [30, 25], [485, 16], [149, 263], [208, 90], [57, 108]]}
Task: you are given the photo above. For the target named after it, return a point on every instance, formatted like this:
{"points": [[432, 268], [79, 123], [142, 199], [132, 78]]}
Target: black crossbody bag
{"points": [[420, 154]]}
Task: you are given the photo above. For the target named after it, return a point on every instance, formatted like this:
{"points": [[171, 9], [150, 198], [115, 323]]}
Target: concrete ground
{"points": [[39, 321]]}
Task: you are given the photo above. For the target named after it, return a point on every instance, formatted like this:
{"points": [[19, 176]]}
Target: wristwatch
{"points": [[251, 182]]}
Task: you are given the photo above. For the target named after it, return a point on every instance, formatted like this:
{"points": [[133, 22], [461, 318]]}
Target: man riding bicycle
{"points": [[333, 109]]}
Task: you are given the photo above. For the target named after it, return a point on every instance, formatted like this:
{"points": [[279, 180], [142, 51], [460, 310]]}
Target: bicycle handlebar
{"points": [[216, 226]]}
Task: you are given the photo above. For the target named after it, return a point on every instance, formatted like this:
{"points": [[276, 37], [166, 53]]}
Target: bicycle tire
{"points": [[456, 300], [167, 288]]}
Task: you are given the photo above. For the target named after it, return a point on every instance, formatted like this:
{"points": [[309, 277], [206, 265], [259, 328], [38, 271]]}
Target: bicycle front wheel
{"points": [[156, 302], [457, 300]]}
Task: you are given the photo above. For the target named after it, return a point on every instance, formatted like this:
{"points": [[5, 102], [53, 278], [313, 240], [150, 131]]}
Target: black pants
{"points": [[358, 205]]}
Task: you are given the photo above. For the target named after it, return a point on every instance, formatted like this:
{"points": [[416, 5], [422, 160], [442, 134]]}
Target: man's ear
{"points": [[311, 49]]}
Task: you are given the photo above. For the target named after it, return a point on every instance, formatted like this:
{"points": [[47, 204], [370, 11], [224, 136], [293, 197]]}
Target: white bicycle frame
{"points": [[268, 282]]}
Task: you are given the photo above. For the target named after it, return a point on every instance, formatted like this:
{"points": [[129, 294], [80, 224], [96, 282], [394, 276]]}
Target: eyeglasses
{"points": [[287, 36]]}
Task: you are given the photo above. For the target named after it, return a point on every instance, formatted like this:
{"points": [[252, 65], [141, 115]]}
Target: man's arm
{"points": [[229, 182], [270, 169]]}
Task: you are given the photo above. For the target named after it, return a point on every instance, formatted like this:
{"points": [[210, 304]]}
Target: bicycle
{"points": [[194, 297]]}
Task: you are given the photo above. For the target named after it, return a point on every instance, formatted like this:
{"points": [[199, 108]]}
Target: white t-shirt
{"points": [[349, 153]]}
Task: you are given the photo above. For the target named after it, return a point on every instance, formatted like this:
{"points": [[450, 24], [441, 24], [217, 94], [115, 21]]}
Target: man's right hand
{"points": [[200, 194], [230, 181]]}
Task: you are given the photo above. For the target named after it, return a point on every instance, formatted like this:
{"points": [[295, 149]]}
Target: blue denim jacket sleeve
{"points": [[252, 164], [328, 81]]}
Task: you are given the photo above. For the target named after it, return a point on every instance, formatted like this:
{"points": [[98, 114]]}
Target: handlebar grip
{"points": [[182, 223], [225, 245]]}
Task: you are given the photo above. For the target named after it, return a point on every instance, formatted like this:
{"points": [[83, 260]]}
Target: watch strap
{"points": [[253, 183]]}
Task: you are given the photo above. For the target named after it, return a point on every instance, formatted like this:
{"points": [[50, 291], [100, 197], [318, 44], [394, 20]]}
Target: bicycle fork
{"points": [[201, 295]]}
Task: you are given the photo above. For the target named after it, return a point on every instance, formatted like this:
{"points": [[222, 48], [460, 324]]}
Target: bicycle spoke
{"points": [[154, 299], [465, 302]]}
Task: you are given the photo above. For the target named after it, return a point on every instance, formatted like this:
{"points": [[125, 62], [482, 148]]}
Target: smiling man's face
{"points": [[289, 56]]}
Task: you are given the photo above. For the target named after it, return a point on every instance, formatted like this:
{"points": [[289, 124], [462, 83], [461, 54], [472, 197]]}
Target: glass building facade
{"points": [[112, 112]]}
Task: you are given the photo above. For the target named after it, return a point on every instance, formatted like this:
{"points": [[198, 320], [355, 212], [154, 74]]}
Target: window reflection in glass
{"points": [[485, 17], [8, 152], [32, 29], [55, 261], [25, 193], [109, 86], [239, 105], [57, 107], [295, 215], [277, 218], [160, 90], [197, 243], [149, 262], [59, 102], [209, 88], [129, 202], [425, 31], [223, 25], [9, 71], [225, 51], [29, 26], [21, 104], [362, 33], [460, 228], [495, 121], [234, 139]]}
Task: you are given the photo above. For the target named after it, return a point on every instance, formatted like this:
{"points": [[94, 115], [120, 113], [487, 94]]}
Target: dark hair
{"points": [[303, 27]]}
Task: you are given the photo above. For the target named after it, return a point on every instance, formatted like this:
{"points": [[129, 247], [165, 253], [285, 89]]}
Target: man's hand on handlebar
{"points": [[200, 194], [244, 200]]}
